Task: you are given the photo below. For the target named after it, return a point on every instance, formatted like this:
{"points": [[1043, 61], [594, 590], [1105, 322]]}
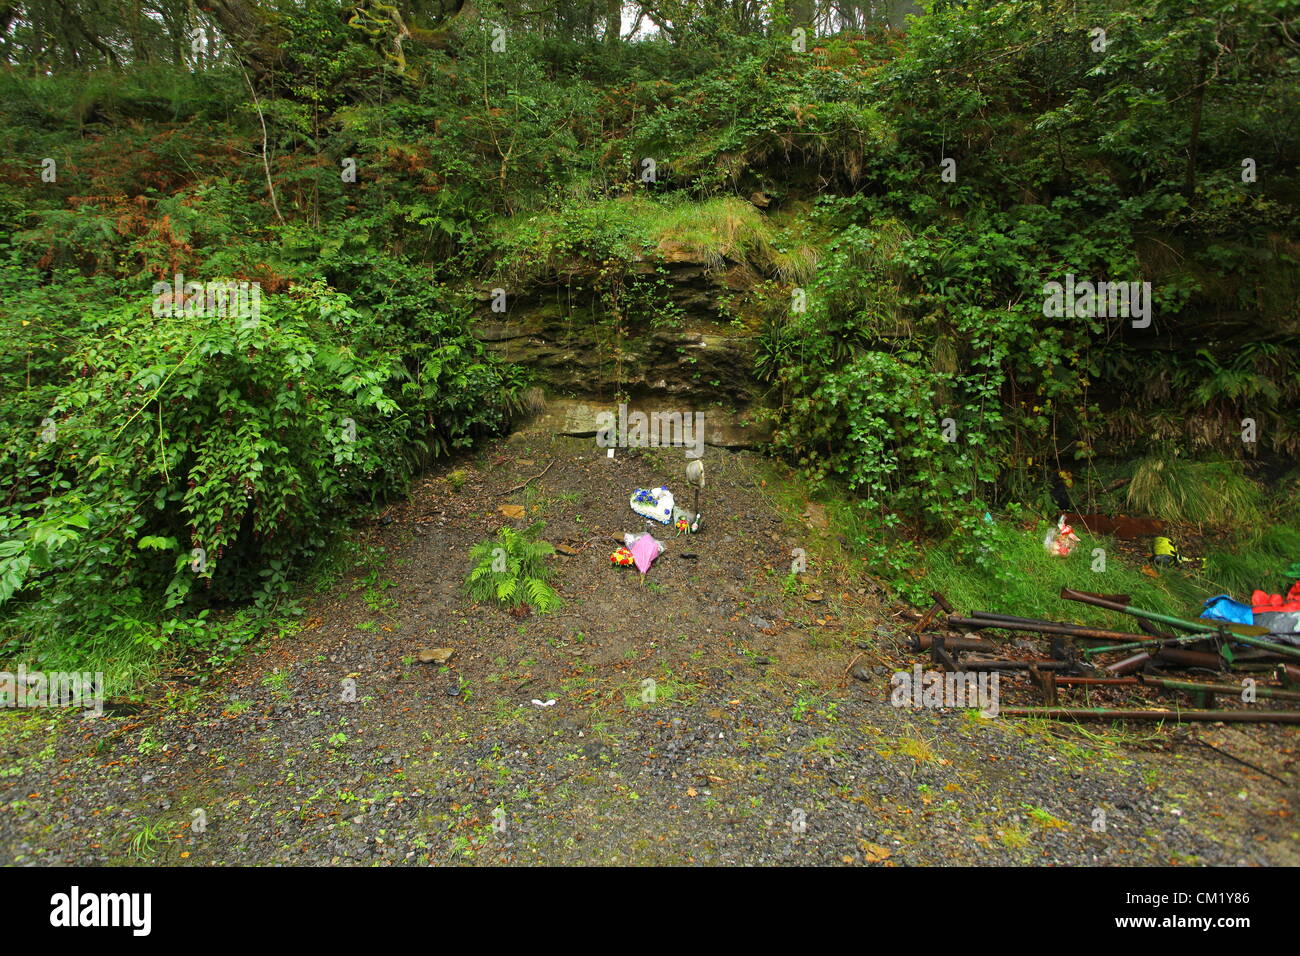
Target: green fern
{"points": [[511, 570]]}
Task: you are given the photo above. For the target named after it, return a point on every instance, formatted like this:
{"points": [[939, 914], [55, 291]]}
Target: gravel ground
{"points": [[759, 747]]}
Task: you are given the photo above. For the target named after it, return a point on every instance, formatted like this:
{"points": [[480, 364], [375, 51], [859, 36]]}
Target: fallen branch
{"points": [[530, 480], [1244, 763], [266, 162]]}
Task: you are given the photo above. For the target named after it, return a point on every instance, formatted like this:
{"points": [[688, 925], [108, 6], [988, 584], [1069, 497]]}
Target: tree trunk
{"points": [[253, 32], [1198, 103], [613, 20], [802, 13]]}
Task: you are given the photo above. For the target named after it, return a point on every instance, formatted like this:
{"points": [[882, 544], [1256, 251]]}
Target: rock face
{"points": [[687, 358], [722, 427], [576, 359], [559, 332]]}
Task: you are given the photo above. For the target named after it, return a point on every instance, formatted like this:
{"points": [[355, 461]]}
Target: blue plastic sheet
{"points": [[1222, 607]]}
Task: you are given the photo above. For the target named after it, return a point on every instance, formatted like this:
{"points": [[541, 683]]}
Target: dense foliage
{"points": [[1122, 165]]}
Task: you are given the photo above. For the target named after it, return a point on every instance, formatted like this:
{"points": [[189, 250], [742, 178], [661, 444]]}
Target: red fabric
{"points": [[1261, 602]]}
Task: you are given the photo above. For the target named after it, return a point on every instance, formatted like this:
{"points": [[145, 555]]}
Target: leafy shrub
{"points": [[511, 570], [180, 461]]}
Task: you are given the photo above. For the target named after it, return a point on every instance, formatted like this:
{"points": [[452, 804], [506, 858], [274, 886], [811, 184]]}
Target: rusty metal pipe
{"points": [[1168, 683], [990, 616], [1222, 689], [1044, 665], [1284, 649], [1173, 716], [1178, 655], [1129, 664], [923, 642], [1083, 629], [1131, 645], [1098, 681], [1063, 630]]}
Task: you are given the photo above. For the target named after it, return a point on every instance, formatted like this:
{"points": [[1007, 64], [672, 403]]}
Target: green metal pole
{"points": [[1199, 627], [1089, 652], [1268, 645], [1224, 630]]}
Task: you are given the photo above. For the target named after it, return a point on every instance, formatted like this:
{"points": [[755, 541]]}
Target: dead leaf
{"points": [[874, 852], [566, 549]]}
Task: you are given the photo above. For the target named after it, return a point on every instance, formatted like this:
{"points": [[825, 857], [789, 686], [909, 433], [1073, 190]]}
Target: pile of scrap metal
{"points": [[1228, 651]]}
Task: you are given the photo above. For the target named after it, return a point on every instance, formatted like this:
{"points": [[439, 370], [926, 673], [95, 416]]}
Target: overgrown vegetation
{"points": [[883, 209]]}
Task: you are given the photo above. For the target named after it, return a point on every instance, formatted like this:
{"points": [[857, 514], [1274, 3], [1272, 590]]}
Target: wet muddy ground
{"points": [[755, 744]]}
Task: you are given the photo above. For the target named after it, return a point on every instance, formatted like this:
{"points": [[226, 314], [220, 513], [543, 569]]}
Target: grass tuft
{"points": [[1211, 494]]}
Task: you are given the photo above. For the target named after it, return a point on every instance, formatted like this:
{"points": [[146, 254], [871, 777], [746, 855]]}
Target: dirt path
{"points": [[758, 747]]}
